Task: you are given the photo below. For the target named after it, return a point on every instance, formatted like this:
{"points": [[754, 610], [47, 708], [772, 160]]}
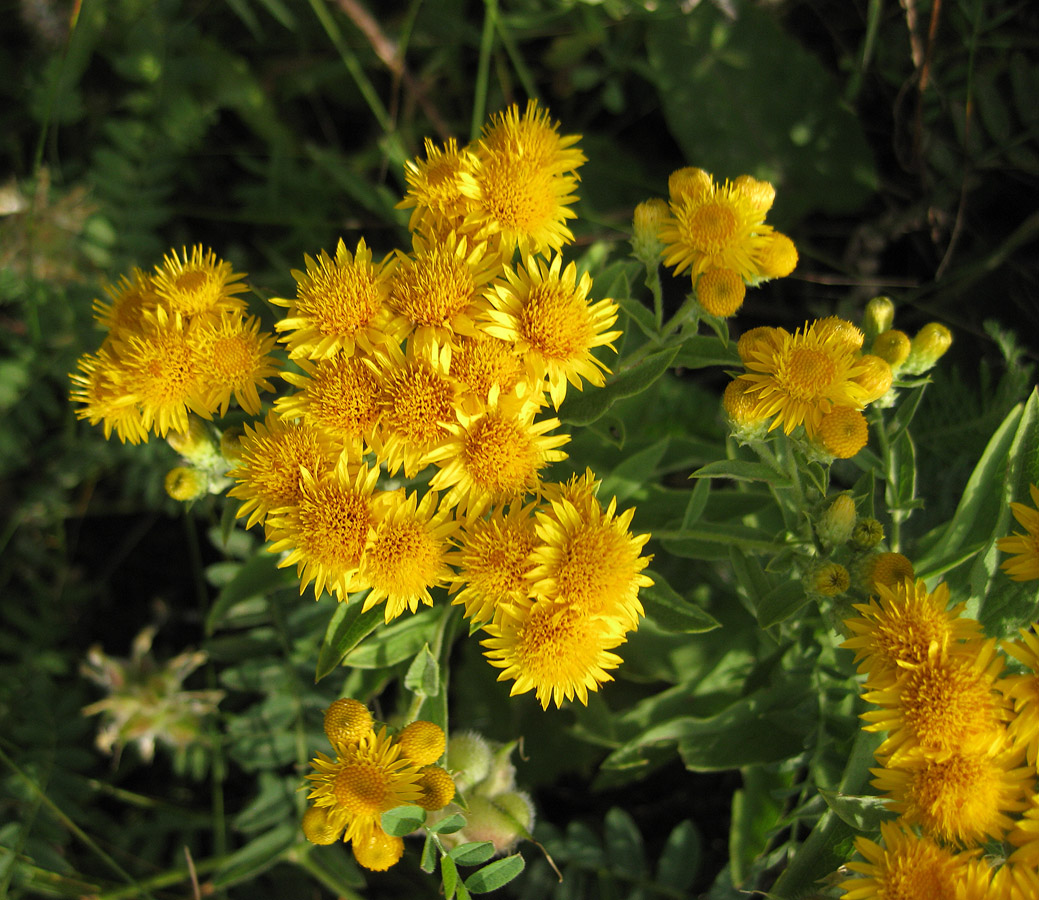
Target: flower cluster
{"points": [[958, 764], [716, 231], [1024, 564], [372, 772], [177, 341]]}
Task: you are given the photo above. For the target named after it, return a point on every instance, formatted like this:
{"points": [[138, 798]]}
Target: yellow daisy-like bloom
{"points": [[518, 203], [884, 569], [347, 721], [340, 305], [588, 558], [533, 137], [876, 377], [324, 535], [840, 332], [979, 881], [340, 395], [1024, 564], [161, 370], [899, 626], [494, 456], [689, 184], [721, 229], [941, 703], [544, 311], [553, 648], [376, 850], [494, 562], [417, 402], [843, 432], [435, 188], [963, 795], [364, 780], [438, 788], [775, 256], [803, 376], [481, 365], [233, 359], [437, 290], [99, 387], [131, 298], [1015, 881], [408, 552], [720, 292], [907, 867], [1023, 692], [422, 742], [199, 283], [271, 456], [1025, 834]]}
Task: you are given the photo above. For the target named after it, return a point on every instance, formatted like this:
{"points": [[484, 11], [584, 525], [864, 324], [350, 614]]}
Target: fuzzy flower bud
{"points": [[689, 183], [469, 756], [878, 318], [486, 821], [892, 346], [875, 378], [777, 256], [927, 347], [829, 580], [866, 534], [231, 444], [740, 408], [720, 292], [196, 444], [186, 484], [645, 243], [316, 827], [836, 524]]}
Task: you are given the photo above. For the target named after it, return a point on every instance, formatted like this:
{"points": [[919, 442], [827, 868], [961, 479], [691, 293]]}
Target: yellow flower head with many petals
{"points": [[197, 283], [1024, 564]]}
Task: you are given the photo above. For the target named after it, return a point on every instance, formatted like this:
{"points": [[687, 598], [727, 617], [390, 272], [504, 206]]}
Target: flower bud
{"points": [[842, 432], [376, 850], [892, 346], [196, 444], [469, 756], [927, 347], [875, 377], [836, 524], [520, 806], [887, 569], [829, 580], [720, 292], [745, 420], [645, 242], [840, 330], [763, 339], [422, 742], [316, 827], [879, 316], [776, 256], [485, 821], [760, 194], [186, 484], [231, 444], [347, 721], [689, 184], [437, 786]]}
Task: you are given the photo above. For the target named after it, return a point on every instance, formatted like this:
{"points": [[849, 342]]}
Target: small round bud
{"points": [[927, 347], [720, 292], [186, 484], [196, 444], [776, 257], [875, 378], [763, 339], [347, 721], [837, 329], [469, 756], [829, 580], [746, 422], [866, 534], [887, 569], [520, 806], [879, 316], [645, 241], [437, 786], [422, 742], [488, 822], [376, 850], [316, 827], [892, 346], [836, 524], [689, 184], [843, 432], [760, 194]]}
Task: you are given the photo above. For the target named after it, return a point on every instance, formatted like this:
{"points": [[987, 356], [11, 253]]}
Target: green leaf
{"points": [[335, 868], [679, 864], [630, 476], [423, 675], [755, 814], [430, 855], [346, 629], [863, 813], [671, 611], [587, 406], [453, 823], [472, 853], [697, 503], [257, 856], [396, 642], [448, 875], [780, 603], [624, 844], [742, 470], [700, 351], [639, 314], [403, 820], [495, 875], [258, 576], [716, 540]]}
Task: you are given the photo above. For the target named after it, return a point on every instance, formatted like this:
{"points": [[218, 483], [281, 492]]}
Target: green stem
{"points": [[165, 879], [274, 604], [483, 68], [653, 283]]}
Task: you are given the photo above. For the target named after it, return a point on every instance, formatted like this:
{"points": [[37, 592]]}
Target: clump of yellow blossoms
{"points": [[958, 765], [369, 773], [441, 363]]}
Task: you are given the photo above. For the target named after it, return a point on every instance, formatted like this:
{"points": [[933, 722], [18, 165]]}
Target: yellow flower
{"points": [[963, 795], [876, 377], [544, 310], [347, 721], [883, 569], [843, 432], [408, 552], [494, 456], [720, 292], [197, 284], [376, 850], [494, 561], [422, 742], [798, 378], [1024, 564], [907, 867], [233, 359], [272, 454], [840, 333], [762, 339], [185, 484], [761, 193], [1025, 834], [533, 137], [940, 703], [340, 305], [417, 400], [437, 290], [316, 828], [1023, 692], [775, 256], [438, 788], [435, 188], [340, 396], [131, 298], [325, 533], [99, 387], [690, 184], [898, 627], [587, 558], [553, 648], [720, 228], [482, 364], [363, 781], [892, 346]]}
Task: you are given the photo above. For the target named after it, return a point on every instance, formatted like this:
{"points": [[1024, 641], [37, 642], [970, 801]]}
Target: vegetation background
{"points": [[901, 138]]}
